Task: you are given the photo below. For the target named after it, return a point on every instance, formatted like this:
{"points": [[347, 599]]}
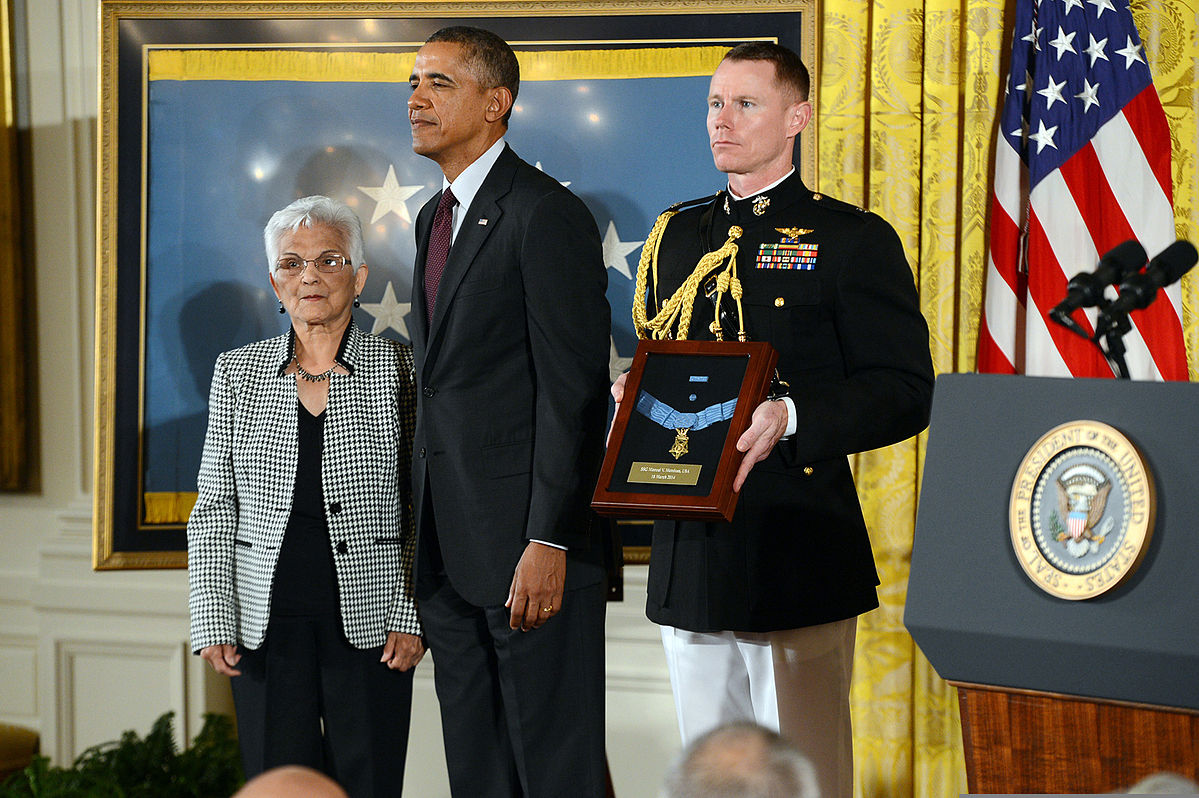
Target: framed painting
{"points": [[215, 114]]}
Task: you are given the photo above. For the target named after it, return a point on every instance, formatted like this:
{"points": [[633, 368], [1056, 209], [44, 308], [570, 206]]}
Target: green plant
{"points": [[134, 767]]}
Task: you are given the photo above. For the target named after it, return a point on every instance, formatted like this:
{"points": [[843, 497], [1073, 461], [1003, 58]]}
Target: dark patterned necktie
{"points": [[439, 249]]}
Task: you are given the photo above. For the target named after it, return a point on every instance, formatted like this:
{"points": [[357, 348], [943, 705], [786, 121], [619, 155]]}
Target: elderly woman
{"points": [[300, 544]]}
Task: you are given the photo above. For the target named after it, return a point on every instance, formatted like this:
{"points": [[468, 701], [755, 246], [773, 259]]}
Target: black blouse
{"points": [[305, 581]]}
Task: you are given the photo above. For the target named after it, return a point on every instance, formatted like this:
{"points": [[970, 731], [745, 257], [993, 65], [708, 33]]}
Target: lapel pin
{"points": [[483, 222]]}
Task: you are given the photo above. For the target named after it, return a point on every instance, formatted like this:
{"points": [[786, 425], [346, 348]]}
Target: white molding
{"points": [[18, 688], [68, 651], [66, 581], [80, 57], [80, 97], [123, 599], [16, 590]]}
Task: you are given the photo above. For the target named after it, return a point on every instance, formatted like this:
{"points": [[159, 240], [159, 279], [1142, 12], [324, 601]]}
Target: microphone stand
{"points": [[1114, 351], [1112, 335]]}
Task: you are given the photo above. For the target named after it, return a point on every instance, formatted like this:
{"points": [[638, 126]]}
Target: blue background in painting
{"points": [[224, 155]]}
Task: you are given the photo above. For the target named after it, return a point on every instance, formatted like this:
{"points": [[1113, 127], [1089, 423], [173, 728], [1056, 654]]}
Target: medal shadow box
{"points": [[673, 448]]}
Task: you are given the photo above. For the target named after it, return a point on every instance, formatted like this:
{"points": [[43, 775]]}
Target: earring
{"points": [[281, 310], [357, 304]]}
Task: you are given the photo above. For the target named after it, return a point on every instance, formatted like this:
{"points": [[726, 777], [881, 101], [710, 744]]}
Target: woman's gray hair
{"points": [[311, 211]]}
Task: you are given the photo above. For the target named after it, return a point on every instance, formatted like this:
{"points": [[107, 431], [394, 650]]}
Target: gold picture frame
{"points": [[130, 272], [17, 421]]}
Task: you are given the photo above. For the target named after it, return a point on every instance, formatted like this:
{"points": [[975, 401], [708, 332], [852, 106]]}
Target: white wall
{"points": [[86, 655]]}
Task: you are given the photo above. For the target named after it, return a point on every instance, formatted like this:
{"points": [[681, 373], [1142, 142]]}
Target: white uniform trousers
{"points": [[795, 681]]}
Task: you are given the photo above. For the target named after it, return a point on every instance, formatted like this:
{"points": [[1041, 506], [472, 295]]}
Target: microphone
{"points": [[1139, 289], [1085, 290]]}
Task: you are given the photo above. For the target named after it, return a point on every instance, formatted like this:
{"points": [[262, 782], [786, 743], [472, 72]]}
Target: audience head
{"points": [[1164, 784], [741, 760], [291, 780]]}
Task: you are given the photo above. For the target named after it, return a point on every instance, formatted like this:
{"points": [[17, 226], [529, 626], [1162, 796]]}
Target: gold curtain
{"points": [[907, 97]]}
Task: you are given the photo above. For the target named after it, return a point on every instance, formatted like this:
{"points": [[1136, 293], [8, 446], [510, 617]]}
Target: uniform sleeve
{"points": [[568, 318], [212, 526], [402, 613], [886, 390]]}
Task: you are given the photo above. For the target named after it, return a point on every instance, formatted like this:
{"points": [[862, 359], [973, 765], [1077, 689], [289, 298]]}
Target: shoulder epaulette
{"points": [[835, 204], [678, 206]]}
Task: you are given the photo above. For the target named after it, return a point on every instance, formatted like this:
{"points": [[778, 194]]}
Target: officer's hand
{"points": [[768, 425], [617, 394]]}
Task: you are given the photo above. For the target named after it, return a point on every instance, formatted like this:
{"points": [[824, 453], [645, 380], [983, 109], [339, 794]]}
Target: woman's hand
{"points": [[222, 658], [402, 651]]}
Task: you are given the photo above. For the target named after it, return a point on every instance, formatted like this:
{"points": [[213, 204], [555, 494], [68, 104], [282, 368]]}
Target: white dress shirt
{"points": [[467, 184]]}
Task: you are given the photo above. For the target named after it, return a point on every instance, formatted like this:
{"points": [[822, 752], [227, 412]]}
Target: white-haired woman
{"points": [[300, 545]]}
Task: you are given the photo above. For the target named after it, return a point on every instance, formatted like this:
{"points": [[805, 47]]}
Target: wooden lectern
{"points": [[1058, 696]]}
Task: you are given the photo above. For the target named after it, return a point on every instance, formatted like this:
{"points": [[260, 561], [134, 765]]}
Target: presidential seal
{"points": [[1081, 510]]}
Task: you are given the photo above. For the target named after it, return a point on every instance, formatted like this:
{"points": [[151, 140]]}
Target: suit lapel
{"points": [[472, 235]]}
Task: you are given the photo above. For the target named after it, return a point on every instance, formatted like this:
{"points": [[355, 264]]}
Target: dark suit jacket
{"points": [[512, 379], [854, 347]]}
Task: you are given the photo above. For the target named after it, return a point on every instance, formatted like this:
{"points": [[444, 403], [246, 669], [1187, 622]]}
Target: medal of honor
{"points": [[680, 443], [683, 423]]}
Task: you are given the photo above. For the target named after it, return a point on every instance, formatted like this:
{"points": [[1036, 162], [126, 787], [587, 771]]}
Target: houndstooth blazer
{"points": [[247, 478]]}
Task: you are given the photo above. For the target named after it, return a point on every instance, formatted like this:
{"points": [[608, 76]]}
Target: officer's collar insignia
{"points": [[726, 205], [791, 234], [761, 203]]}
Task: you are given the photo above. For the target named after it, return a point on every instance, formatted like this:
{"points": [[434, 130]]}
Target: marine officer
{"points": [[758, 616]]}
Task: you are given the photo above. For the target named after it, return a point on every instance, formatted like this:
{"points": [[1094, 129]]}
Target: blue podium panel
{"points": [[970, 606]]}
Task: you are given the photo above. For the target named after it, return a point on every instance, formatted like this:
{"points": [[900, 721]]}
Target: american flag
{"points": [[1082, 163]]}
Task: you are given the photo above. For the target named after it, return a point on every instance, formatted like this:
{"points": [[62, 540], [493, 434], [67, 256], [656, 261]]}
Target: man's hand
{"points": [[617, 394], [767, 427], [537, 585], [402, 651], [222, 658]]}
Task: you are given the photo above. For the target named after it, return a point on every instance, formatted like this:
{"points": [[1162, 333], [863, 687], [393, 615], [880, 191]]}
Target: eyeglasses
{"points": [[327, 262]]}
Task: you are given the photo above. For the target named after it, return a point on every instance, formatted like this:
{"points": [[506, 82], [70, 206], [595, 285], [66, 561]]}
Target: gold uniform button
{"points": [[778, 302], [807, 470]]}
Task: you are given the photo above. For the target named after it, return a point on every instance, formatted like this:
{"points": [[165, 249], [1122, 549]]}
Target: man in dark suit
{"points": [[759, 615], [511, 344]]}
